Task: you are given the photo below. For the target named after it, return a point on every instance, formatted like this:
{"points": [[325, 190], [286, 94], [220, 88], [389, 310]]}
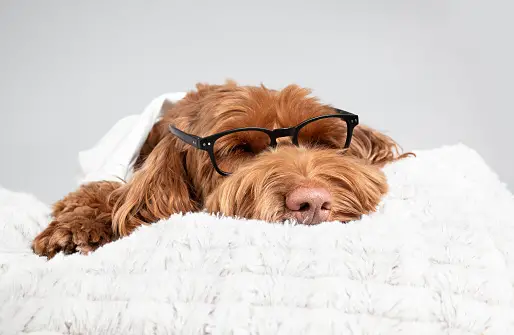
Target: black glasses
{"points": [[228, 148]]}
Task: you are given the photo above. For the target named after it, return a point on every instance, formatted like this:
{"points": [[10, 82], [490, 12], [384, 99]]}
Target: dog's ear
{"points": [[374, 146], [158, 189], [157, 133]]}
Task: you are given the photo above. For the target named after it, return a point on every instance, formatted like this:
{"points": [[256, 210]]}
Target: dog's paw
{"points": [[53, 240], [71, 238]]}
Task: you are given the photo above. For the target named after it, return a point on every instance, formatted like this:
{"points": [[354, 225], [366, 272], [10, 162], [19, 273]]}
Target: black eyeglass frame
{"points": [[207, 143]]}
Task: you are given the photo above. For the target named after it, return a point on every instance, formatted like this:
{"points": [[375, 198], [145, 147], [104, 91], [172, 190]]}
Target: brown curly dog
{"points": [[293, 160]]}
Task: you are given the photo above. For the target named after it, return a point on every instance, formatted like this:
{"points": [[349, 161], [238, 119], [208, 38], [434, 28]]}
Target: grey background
{"points": [[427, 72]]}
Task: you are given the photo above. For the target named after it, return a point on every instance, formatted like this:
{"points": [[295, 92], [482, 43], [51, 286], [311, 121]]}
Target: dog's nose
{"points": [[309, 205]]}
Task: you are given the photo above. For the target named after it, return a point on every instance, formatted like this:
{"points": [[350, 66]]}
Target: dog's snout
{"points": [[309, 205]]}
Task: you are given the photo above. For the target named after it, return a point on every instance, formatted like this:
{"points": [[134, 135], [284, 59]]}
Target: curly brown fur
{"points": [[172, 177], [82, 221]]}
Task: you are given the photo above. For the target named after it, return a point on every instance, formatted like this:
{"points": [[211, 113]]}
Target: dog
{"points": [[243, 151]]}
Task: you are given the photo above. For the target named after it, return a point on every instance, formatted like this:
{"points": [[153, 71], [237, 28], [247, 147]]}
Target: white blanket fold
{"points": [[114, 156], [436, 258]]}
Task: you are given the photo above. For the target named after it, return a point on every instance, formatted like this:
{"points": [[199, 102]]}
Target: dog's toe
{"points": [[53, 240]]}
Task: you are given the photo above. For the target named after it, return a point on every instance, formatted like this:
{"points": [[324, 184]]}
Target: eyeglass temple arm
{"points": [[188, 138], [341, 111], [354, 117]]}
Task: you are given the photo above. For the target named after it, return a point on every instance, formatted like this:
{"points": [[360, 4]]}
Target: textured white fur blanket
{"points": [[437, 258]]}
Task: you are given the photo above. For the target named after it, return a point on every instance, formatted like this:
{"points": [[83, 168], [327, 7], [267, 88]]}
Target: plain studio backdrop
{"points": [[429, 73]]}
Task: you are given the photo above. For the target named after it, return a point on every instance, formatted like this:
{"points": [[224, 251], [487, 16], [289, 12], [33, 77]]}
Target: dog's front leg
{"points": [[82, 221]]}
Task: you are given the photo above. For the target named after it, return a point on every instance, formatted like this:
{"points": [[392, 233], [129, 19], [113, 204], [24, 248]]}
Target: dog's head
{"points": [[302, 173]]}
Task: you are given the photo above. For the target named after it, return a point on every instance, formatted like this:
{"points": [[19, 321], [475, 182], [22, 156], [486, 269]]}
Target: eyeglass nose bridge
{"points": [[281, 132]]}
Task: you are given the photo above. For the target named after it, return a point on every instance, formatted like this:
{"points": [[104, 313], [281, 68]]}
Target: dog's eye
{"points": [[243, 147]]}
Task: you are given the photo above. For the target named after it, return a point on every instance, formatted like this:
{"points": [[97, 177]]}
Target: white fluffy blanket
{"points": [[436, 258]]}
